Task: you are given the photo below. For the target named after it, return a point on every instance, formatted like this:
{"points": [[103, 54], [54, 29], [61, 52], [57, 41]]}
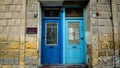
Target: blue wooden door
{"points": [[74, 42], [51, 42]]}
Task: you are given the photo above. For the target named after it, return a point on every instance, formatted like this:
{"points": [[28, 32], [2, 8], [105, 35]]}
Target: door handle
{"points": [[51, 46], [74, 46], [82, 38], [43, 37]]}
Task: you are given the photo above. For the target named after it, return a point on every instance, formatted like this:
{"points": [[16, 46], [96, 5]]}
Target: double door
{"points": [[62, 39]]}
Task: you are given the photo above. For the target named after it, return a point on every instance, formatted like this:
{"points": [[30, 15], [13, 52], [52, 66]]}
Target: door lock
{"points": [[82, 38], [51, 46], [74, 46], [43, 37]]}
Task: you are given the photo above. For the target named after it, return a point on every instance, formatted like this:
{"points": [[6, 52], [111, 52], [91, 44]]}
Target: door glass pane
{"points": [[74, 33], [51, 33]]}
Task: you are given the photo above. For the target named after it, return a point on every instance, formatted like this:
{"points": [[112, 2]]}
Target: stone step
{"points": [[65, 66]]}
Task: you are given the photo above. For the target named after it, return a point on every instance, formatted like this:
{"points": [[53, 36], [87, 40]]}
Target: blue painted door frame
{"points": [[74, 51], [52, 54], [61, 50], [81, 48]]}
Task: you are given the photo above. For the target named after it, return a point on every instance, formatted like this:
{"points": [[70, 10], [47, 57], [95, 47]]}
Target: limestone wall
{"points": [[104, 50], [18, 49]]}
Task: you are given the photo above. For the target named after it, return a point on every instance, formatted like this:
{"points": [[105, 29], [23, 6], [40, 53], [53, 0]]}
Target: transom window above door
{"points": [[74, 12], [51, 12]]}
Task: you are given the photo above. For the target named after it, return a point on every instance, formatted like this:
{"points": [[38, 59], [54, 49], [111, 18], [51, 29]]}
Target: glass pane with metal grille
{"points": [[51, 12], [51, 33], [74, 33], [74, 12]]}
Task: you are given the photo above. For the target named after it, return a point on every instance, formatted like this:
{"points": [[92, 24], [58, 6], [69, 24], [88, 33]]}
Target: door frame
{"points": [[61, 25], [64, 31]]}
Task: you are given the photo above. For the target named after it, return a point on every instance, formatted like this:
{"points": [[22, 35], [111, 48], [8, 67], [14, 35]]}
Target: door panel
{"points": [[50, 46], [74, 42]]}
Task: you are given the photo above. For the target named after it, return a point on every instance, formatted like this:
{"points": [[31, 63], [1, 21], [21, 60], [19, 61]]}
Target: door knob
{"points": [[51, 46], [74, 46], [43, 37], [82, 38]]}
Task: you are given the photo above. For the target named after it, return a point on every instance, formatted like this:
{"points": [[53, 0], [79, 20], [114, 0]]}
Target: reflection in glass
{"points": [[51, 33], [74, 33]]}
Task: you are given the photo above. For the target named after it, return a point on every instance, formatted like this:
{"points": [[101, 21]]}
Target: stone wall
{"points": [[18, 49], [31, 51], [104, 47]]}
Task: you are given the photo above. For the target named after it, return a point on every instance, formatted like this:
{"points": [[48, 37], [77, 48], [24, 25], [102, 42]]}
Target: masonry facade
{"points": [[19, 49]]}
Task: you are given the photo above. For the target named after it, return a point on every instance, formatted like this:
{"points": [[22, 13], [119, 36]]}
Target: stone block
{"points": [[8, 61], [32, 23], [96, 67], [32, 1], [22, 54], [31, 45], [30, 60], [14, 30], [109, 66], [22, 46], [3, 22], [101, 22], [32, 7], [1, 60], [94, 54], [104, 15], [16, 54], [3, 38], [118, 14], [31, 53], [104, 1], [109, 52], [17, 22], [94, 22], [12, 8], [17, 15], [8, 15], [6, 66], [32, 66], [109, 37], [102, 45], [101, 37], [17, 2], [2, 2], [105, 8], [95, 41], [117, 1], [95, 61], [16, 60], [11, 38], [3, 46], [30, 15], [108, 22], [8, 1], [94, 30], [101, 53], [1, 53], [11, 22], [6, 30], [13, 45], [2, 14], [105, 29], [31, 37], [18, 66], [2, 8], [18, 8]]}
